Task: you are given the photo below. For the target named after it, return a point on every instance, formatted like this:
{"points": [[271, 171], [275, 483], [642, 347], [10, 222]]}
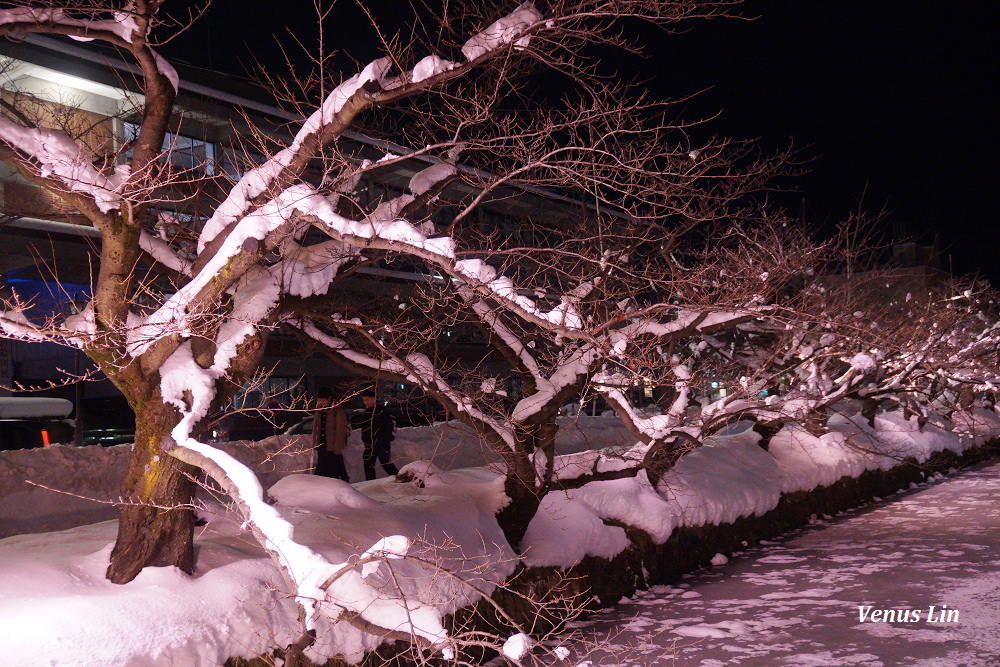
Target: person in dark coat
{"points": [[377, 432], [329, 435]]}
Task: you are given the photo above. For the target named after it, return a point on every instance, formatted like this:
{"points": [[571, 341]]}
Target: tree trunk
{"points": [[522, 487], [156, 524], [766, 431], [663, 455], [515, 517]]}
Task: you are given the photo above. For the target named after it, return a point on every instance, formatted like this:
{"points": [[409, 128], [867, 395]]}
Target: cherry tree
{"points": [[753, 305], [645, 266], [179, 347]]}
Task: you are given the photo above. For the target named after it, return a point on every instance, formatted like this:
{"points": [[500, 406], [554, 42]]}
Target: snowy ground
{"points": [[56, 608], [795, 601]]}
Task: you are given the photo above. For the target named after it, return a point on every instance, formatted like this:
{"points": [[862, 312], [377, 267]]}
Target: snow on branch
{"points": [[324, 590], [427, 179], [511, 28], [122, 24], [59, 158], [321, 588], [267, 176], [570, 372], [430, 66], [564, 317], [513, 342], [161, 251], [15, 325]]}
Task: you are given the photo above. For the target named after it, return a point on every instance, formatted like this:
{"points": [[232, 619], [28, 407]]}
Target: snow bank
{"points": [[727, 478], [273, 458], [977, 424], [565, 530], [810, 461], [83, 482], [57, 608], [60, 486], [852, 446], [452, 445]]}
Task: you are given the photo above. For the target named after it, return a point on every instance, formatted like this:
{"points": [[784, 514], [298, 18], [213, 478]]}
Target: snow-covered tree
{"points": [[644, 265], [183, 346], [752, 306]]}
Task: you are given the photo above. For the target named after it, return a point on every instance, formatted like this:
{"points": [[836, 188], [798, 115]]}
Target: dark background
{"points": [[891, 101]]}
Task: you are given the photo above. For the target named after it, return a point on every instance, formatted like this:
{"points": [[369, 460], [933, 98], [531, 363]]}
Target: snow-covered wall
{"points": [[60, 486], [83, 482], [728, 478]]}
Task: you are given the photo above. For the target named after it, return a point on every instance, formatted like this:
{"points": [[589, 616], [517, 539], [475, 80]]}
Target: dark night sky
{"points": [[892, 99], [895, 101]]}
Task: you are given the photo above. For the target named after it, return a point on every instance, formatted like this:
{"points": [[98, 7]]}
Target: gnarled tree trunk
{"points": [[156, 525], [523, 485]]}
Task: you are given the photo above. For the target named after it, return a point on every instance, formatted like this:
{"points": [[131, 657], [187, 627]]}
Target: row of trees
{"points": [[668, 274]]}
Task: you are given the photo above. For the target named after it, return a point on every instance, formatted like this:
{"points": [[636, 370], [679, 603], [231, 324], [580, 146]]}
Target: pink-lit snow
{"points": [[799, 601], [56, 607]]}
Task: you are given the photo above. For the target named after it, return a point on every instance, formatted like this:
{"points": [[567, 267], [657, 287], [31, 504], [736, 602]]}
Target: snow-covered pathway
{"points": [[800, 600]]}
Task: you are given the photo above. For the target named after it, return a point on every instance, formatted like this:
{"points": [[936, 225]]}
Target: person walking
{"points": [[377, 432], [329, 435]]}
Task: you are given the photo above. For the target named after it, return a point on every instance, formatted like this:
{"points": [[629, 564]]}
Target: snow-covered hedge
{"points": [[731, 476]]}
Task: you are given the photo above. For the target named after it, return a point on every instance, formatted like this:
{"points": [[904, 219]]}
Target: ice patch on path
{"points": [[811, 593], [829, 659], [719, 630], [898, 633], [781, 559]]}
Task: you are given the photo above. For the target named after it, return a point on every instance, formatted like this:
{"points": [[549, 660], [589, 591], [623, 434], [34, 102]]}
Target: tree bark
{"points": [[515, 517], [156, 524], [664, 455], [521, 486]]}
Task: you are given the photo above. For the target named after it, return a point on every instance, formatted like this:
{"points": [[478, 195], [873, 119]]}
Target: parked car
{"points": [[108, 437], [29, 422], [304, 426]]}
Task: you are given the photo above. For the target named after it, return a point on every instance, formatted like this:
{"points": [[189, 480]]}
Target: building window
{"points": [[184, 152], [234, 163], [272, 393]]}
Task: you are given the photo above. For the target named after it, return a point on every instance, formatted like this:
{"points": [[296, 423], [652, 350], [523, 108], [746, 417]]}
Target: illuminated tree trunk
{"points": [[156, 525]]}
